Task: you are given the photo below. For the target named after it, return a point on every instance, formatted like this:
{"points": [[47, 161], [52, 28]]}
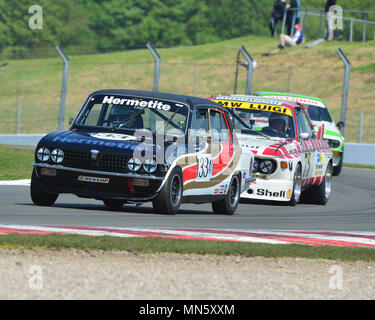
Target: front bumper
{"points": [[98, 184], [273, 189]]}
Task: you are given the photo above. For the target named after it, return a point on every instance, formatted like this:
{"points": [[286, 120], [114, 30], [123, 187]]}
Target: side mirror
{"points": [[340, 124], [305, 136]]}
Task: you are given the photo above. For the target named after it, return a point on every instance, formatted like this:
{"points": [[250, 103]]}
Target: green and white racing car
{"points": [[319, 115]]}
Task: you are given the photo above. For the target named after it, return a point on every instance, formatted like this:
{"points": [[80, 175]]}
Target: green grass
{"points": [[195, 70], [370, 67], [361, 166], [159, 245], [15, 163]]}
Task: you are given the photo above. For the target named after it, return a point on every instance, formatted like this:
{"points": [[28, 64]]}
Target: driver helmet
{"points": [[298, 27], [120, 113], [278, 121]]}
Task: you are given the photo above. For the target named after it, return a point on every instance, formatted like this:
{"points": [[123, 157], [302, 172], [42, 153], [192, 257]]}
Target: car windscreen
{"points": [[272, 124], [133, 113], [319, 114]]}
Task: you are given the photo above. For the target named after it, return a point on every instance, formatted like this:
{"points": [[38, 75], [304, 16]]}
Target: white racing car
{"points": [[292, 161], [319, 115]]}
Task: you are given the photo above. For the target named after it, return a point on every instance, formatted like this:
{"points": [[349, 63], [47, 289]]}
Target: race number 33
{"points": [[205, 167]]}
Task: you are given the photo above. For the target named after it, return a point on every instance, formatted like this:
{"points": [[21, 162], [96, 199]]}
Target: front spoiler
{"points": [[274, 190]]}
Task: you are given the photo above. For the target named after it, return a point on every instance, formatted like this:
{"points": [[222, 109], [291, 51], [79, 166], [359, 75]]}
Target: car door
{"points": [[222, 150], [197, 174], [305, 137]]}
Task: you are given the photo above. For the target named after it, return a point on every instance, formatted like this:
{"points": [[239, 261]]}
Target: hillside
{"points": [[196, 70]]}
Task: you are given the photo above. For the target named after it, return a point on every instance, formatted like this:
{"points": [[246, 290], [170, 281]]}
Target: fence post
{"points": [[250, 65], [361, 127], [351, 31], [365, 17], [18, 130], [345, 89], [64, 88], [283, 25], [157, 65]]}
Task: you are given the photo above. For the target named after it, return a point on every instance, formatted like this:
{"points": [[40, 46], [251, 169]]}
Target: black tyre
{"points": [[229, 204], [169, 199], [297, 186], [337, 169], [320, 194], [38, 195], [113, 204]]}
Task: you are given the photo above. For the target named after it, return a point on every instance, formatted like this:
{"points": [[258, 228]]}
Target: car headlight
{"points": [[150, 165], [43, 154], [134, 164], [57, 156], [333, 143], [267, 166]]}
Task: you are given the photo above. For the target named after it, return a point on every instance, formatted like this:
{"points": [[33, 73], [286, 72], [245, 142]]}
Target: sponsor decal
{"points": [[259, 176], [152, 104], [319, 157], [289, 194], [248, 99], [93, 179], [113, 136], [94, 154], [267, 193], [122, 145], [255, 106], [319, 169]]}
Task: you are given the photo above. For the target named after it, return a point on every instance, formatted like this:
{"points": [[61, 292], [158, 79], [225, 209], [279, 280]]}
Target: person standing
{"points": [[277, 15], [329, 31]]}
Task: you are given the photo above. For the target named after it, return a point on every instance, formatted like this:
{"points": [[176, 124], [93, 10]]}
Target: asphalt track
{"points": [[350, 208]]}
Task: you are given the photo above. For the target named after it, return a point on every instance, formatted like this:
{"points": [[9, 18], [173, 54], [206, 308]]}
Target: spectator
{"points": [[287, 41], [277, 15], [292, 14], [329, 31]]}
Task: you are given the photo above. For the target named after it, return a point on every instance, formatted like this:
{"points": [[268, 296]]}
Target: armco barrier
{"points": [[358, 153], [20, 139]]}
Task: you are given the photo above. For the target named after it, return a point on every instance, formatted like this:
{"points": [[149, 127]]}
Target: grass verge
{"points": [[15, 162], [360, 166], [160, 245]]}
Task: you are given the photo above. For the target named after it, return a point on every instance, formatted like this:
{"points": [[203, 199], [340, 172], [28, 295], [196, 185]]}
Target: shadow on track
{"points": [[124, 209]]}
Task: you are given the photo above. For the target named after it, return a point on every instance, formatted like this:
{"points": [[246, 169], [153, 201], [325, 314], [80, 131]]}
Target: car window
{"points": [[200, 120], [319, 114], [218, 126], [303, 122]]}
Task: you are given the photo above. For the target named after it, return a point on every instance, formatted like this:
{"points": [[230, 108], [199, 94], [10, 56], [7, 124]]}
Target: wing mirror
{"points": [[305, 136], [340, 124]]}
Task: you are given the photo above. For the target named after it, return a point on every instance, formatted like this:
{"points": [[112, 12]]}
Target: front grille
{"points": [[77, 159], [113, 162], [104, 162]]}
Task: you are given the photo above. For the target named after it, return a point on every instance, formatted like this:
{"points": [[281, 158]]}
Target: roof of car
{"points": [[158, 95], [255, 99], [284, 94]]}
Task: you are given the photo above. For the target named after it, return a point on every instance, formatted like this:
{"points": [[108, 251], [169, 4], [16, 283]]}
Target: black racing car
{"points": [[128, 146]]}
